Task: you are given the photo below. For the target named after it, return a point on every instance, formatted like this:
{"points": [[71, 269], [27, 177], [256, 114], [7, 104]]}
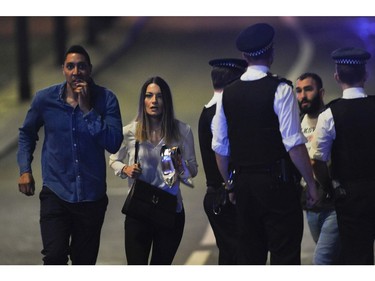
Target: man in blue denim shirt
{"points": [[81, 121]]}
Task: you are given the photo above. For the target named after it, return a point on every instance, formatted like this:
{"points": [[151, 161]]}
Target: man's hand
{"points": [[84, 101], [26, 184], [229, 188], [312, 196], [232, 198]]}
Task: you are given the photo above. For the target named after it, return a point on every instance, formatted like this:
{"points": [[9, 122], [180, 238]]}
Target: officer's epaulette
{"points": [[281, 79]]}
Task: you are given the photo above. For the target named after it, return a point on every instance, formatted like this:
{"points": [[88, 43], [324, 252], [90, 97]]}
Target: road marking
{"points": [[198, 257], [208, 238]]}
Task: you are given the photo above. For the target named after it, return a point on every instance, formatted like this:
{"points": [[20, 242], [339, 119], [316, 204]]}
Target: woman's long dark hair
{"points": [[169, 128]]}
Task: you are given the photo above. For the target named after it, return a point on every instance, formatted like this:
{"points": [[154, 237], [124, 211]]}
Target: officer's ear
{"points": [[336, 77]]}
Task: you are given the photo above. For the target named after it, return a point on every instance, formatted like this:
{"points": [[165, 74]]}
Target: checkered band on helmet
{"points": [[259, 52], [350, 61]]}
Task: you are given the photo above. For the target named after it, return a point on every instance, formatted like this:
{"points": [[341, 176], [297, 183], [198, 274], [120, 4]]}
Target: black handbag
{"points": [[150, 203]]}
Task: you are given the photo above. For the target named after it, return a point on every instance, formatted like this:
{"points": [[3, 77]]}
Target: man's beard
{"points": [[313, 107]]}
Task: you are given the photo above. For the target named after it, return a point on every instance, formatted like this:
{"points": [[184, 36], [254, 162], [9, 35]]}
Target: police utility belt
{"points": [[283, 170]]}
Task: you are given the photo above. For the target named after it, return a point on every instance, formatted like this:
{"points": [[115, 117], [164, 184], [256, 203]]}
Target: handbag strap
{"points": [[136, 151]]}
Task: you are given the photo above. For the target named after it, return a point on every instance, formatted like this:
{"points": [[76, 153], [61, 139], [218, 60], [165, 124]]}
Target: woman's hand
{"points": [[132, 171]]}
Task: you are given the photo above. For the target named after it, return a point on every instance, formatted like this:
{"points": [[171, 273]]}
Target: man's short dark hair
{"points": [[222, 76], [351, 74], [314, 76], [78, 49]]}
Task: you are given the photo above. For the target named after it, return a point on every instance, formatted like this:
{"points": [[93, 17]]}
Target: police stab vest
{"points": [[353, 150], [253, 126]]}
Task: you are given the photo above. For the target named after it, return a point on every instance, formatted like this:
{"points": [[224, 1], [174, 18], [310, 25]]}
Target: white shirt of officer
{"points": [[325, 132], [285, 106]]}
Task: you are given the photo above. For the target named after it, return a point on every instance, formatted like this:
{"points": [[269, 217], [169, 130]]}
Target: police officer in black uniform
{"points": [[346, 131], [220, 211], [257, 128]]}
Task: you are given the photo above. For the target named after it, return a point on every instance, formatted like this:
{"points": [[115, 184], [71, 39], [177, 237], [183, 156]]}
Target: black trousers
{"points": [[356, 220], [270, 219], [70, 229], [224, 226], [141, 237]]}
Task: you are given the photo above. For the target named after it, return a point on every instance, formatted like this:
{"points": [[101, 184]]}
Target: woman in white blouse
{"points": [[154, 126]]}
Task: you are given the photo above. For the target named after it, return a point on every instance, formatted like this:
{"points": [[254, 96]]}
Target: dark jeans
{"points": [[70, 229], [141, 236], [270, 219], [224, 226]]}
